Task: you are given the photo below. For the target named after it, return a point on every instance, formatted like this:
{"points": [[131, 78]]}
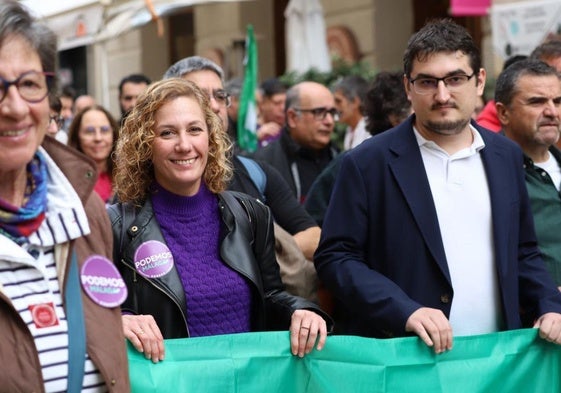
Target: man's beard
{"points": [[447, 127]]}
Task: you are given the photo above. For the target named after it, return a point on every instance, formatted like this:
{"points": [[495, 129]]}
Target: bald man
{"points": [[304, 148]]}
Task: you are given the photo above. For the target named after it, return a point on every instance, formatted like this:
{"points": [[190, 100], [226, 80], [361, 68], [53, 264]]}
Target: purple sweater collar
{"points": [[170, 203]]}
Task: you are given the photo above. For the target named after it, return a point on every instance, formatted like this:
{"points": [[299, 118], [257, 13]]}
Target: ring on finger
{"points": [[304, 327]]}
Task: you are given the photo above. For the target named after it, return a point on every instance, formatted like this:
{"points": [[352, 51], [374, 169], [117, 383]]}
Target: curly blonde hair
{"points": [[134, 171]]}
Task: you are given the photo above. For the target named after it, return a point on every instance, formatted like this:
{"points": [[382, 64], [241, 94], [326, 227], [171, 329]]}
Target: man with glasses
{"points": [[304, 148], [429, 230]]}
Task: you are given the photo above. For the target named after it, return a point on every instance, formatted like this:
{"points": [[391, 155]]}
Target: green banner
{"points": [[514, 361], [247, 112]]}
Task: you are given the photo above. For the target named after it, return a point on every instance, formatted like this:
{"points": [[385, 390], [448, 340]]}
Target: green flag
{"points": [[247, 115], [505, 362]]}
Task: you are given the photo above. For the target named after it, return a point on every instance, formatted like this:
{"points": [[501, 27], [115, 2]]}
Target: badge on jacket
{"points": [[44, 315], [102, 282], [153, 259]]}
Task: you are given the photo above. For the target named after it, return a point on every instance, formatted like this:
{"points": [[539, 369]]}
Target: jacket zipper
{"points": [[164, 292]]}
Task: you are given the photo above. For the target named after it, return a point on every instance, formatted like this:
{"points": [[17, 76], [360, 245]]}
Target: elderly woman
{"points": [[197, 260], [57, 334], [93, 131]]}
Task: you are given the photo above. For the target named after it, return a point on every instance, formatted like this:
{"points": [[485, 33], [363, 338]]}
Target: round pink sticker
{"points": [[102, 282], [153, 259]]}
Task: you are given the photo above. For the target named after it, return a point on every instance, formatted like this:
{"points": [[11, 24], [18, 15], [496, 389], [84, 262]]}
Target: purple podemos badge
{"points": [[153, 259], [102, 282]]}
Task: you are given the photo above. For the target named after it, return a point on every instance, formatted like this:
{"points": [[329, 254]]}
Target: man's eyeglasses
{"points": [[221, 97], [320, 113], [58, 119], [33, 86], [426, 85]]}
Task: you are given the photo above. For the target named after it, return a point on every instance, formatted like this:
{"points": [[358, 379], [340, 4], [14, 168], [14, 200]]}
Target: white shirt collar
{"points": [[475, 147]]}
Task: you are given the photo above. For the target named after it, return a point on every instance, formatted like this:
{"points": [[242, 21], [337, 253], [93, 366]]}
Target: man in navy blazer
{"points": [[429, 229]]}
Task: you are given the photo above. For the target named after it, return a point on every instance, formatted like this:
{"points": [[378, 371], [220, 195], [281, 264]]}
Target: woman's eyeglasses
{"points": [[91, 131], [33, 86]]}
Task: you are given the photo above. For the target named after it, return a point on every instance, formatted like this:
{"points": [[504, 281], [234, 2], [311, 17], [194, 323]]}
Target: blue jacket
{"points": [[381, 252]]}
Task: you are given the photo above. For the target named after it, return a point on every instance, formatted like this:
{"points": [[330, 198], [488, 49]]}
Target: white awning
{"points": [[75, 23], [84, 22], [134, 13], [43, 8]]}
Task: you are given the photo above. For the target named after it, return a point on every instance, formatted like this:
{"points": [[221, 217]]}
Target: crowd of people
{"points": [[438, 216]]}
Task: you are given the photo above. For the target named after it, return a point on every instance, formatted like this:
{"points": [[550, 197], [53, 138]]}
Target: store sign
{"points": [[519, 27]]}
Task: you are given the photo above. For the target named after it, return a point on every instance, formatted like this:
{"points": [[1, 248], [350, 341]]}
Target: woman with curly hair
{"points": [[197, 260]]}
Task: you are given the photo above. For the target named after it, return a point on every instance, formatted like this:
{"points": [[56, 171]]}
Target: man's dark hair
{"points": [[506, 88], [547, 50], [68, 92], [54, 103], [441, 35], [385, 97], [133, 78], [270, 87], [513, 59]]}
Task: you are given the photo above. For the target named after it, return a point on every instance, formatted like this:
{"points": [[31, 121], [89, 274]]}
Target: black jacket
{"points": [[247, 246], [298, 165]]}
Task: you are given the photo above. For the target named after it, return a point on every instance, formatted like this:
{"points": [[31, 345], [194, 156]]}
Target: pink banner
{"points": [[469, 7]]}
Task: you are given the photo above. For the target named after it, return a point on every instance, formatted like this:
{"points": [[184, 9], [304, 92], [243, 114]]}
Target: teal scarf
{"points": [[18, 223]]}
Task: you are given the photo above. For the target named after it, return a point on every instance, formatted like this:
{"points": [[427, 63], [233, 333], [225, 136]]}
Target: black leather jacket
{"points": [[247, 246]]}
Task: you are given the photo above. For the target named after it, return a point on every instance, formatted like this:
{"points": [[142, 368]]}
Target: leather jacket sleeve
{"points": [[279, 304]]}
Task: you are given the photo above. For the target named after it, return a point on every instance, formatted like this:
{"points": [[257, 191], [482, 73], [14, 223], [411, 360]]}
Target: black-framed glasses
{"points": [[320, 113], [58, 119], [33, 86], [221, 96], [428, 85]]}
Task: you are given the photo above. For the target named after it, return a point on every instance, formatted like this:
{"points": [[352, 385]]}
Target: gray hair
{"points": [[292, 98], [192, 64], [549, 50], [15, 20], [507, 82], [351, 87], [234, 86]]}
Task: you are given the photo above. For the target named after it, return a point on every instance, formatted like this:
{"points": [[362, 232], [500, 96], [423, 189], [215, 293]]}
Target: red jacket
{"points": [[488, 117]]}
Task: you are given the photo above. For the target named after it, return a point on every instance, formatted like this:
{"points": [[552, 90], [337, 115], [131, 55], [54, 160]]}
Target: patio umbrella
{"points": [[306, 44]]}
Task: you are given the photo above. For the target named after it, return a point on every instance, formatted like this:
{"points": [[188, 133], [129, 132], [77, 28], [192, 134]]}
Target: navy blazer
{"points": [[381, 253]]}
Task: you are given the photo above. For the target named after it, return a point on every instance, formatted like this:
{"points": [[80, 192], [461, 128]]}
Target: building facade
{"points": [[372, 31]]}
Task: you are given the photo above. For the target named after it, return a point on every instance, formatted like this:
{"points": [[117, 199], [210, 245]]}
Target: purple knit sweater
{"points": [[218, 298]]}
